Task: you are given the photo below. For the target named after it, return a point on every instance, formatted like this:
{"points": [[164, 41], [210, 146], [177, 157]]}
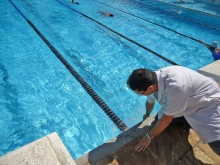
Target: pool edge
{"points": [[48, 150]]}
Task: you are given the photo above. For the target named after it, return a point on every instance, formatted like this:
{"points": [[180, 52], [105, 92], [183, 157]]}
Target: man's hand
{"points": [[161, 124], [142, 145], [217, 50]]}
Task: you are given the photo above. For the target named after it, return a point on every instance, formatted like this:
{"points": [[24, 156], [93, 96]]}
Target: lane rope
{"points": [[152, 22], [120, 124], [183, 18], [136, 43], [213, 15]]}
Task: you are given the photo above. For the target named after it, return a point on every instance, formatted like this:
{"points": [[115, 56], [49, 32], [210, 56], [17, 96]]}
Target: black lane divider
{"points": [[136, 43], [168, 13], [213, 15], [85, 85], [152, 22]]}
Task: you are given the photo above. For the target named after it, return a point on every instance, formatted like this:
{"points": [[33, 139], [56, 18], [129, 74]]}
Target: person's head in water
{"points": [[75, 2], [178, 11], [214, 44]]}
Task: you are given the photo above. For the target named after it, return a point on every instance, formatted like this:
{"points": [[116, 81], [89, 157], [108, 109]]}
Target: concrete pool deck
{"points": [[48, 150], [177, 145], [212, 70]]}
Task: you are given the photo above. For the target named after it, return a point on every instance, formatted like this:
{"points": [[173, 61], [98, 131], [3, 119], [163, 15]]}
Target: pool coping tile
{"points": [[48, 150]]}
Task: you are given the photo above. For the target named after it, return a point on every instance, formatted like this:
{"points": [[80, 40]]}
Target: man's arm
{"points": [[149, 108], [160, 125], [156, 130]]}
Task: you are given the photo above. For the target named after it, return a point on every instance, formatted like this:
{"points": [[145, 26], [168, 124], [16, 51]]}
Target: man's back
{"points": [[187, 93], [183, 90]]}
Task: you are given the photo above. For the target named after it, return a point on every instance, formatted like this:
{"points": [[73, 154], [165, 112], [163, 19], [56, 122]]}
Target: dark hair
{"points": [[141, 79], [111, 15]]}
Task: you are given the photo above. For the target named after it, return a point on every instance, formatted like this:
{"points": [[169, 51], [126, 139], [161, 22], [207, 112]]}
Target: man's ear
{"points": [[150, 88], [153, 87]]}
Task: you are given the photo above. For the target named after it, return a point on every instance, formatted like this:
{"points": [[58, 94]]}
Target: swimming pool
{"points": [[40, 96], [209, 7]]}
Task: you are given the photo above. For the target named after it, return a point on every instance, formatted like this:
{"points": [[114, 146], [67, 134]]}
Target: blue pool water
{"points": [[190, 10], [40, 96], [210, 7]]}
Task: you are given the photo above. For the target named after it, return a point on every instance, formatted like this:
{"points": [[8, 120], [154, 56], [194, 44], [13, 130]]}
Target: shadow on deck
{"points": [[177, 145]]}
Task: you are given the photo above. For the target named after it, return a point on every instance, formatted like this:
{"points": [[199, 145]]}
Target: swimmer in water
{"points": [[75, 2], [107, 14]]}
